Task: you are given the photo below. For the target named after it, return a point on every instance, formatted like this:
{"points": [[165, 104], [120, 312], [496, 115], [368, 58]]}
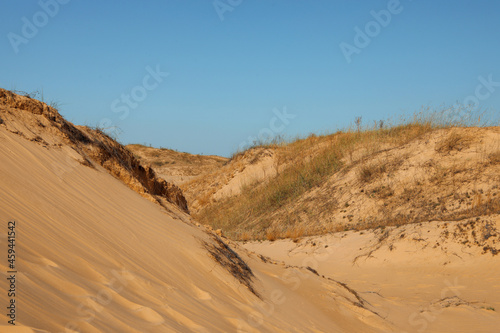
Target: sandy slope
{"points": [[401, 175], [432, 277], [244, 169], [177, 167], [95, 256]]}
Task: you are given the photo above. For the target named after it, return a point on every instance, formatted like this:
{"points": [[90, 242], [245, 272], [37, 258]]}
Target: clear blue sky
{"points": [[227, 76]]}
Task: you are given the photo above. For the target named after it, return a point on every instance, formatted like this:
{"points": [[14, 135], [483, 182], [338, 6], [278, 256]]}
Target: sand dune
{"points": [[174, 166], [102, 245], [95, 256], [347, 180]]}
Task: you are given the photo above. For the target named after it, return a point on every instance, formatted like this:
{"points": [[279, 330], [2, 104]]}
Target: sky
{"points": [[212, 77]]}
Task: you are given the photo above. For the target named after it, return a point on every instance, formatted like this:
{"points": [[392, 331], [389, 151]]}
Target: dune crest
{"points": [[38, 122]]}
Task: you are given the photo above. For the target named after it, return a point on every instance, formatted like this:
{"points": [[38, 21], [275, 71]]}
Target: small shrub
{"points": [[55, 105]]}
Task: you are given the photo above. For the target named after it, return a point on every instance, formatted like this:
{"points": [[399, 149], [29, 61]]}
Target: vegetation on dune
{"points": [[304, 165]]}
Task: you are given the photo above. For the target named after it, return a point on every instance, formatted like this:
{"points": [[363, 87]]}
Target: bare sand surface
{"points": [[429, 277]]}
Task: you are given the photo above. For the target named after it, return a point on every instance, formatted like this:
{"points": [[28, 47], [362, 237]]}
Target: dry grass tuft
{"points": [[272, 234], [295, 232], [244, 236], [442, 174], [369, 172], [454, 142]]}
